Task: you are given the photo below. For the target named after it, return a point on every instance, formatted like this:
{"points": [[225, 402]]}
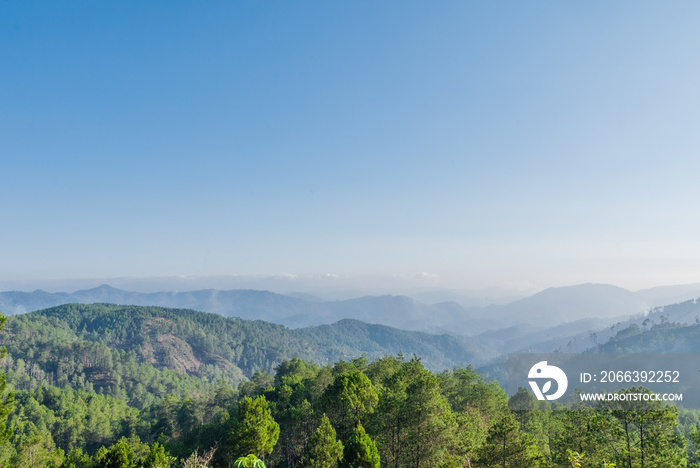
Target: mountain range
{"points": [[565, 318]]}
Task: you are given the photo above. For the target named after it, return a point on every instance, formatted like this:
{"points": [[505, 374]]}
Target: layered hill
{"points": [[295, 312], [604, 304], [94, 337]]}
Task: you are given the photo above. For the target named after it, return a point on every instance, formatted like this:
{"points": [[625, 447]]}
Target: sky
{"points": [[464, 144]]}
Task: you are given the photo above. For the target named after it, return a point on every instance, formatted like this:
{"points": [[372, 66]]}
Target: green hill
{"points": [[157, 351], [99, 384]]}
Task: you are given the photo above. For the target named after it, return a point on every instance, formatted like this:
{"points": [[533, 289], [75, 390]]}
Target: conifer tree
{"points": [[255, 432], [360, 451], [431, 426], [507, 446], [348, 399], [646, 431], [323, 450]]}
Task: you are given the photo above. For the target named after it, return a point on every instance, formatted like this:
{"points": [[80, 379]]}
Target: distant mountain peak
{"points": [[103, 288]]}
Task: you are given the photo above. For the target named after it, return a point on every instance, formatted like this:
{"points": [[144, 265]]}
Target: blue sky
{"points": [[483, 143]]}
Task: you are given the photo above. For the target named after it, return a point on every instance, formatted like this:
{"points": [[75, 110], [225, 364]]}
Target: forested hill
{"points": [[101, 386], [198, 344]]}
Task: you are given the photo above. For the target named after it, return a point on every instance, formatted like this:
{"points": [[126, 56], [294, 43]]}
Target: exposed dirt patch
{"points": [[179, 354]]}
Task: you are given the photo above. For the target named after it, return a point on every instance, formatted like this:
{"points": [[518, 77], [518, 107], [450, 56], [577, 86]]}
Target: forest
{"points": [[115, 386]]}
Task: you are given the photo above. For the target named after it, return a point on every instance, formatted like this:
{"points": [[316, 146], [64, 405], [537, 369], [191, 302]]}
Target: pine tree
{"points": [[255, 431], [348, 399], [646, 432], [323, 450], [584, 430], [360, 451], [431, 426], [507, 446]]}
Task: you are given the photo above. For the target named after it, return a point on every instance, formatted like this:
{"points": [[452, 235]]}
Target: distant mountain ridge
{"points": [[510, 326], [555, 306], [675, 294], [294, 312]]}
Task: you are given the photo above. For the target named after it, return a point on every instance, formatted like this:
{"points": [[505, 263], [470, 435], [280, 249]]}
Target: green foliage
{"points": [[75, 418], [348, 399], [119, 455], [323, 450], [465, 388], [255, 431], [250, 461], [6, 398], [646, 432], [414, 424], [81, 342], [643, 433], [586, 431], [132, 453], [576, 459], [36, 449], [102, 385], [360, 451], [507, 445], [157, 457], [78, 459], [431, 424]]}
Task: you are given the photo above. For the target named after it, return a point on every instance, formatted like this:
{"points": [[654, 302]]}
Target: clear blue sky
{"points": [[483, 142]]}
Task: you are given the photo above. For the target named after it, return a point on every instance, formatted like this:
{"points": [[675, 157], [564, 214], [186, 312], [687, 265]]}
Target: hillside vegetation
{"points": [[102, 386], [89, 343]]}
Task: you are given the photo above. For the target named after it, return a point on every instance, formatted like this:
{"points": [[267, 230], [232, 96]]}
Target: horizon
{"points": [[290, 284], [456, 146]]}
